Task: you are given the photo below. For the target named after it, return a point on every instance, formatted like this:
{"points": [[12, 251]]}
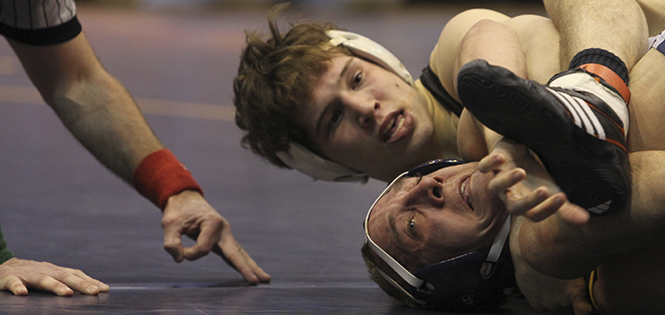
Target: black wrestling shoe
{"points": [[577, 136]]}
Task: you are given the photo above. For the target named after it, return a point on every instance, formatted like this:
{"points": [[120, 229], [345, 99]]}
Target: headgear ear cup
{"points": [[308, 162]]}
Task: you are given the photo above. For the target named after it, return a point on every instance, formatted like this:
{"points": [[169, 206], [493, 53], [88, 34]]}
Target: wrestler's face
{"points": [[444, 214], [366, 117]]}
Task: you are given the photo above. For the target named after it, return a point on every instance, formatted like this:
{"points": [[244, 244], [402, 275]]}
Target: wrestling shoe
{"points": [[578, 137]]}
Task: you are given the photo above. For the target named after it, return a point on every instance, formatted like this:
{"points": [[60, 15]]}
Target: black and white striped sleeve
{"points": [[39, 22]]}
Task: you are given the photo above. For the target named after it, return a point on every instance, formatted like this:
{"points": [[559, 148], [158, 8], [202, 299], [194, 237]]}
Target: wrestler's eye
{"points": [[357, 79], [335, 118], [411, 227], [420, 177]]}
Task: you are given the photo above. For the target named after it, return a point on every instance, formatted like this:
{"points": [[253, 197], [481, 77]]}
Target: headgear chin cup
{"points": [[473, 281], [304, 160]]}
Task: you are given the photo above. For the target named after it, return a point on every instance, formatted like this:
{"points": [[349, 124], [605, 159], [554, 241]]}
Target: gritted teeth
{"points": [[464, 191], [389, 133], [395, 125]]}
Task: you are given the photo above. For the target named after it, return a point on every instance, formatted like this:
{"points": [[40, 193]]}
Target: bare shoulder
{"points": [[461, 22], [443, 57], [541, 44], [532, 28]]}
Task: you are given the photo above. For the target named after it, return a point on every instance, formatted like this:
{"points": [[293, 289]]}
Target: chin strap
{"points": [[495, 250]]}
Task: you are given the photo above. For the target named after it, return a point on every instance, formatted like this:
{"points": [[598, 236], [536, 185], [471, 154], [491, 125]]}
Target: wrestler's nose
{"points": [[364, 110], [428, 191]]}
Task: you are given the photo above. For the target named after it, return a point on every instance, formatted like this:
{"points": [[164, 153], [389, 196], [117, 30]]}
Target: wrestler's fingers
{"points": [[558, 204], [503, 181], [491, 162], [529, 202], [574, 214], [506, 186], [545, 205]]}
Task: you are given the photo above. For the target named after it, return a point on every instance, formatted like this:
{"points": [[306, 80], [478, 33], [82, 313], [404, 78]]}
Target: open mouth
{"points": [[464, 192], [395, 124]]}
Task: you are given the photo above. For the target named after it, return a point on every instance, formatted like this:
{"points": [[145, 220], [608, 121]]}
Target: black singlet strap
{"points": [[433, 85]]}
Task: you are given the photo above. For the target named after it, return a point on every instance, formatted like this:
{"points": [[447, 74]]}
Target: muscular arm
{"points": [[560, 249], [101, 114], [473, 139], [92, 104]]}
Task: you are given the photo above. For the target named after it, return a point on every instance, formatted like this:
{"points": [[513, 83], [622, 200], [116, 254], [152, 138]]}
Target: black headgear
{"points": [[479, 280]]}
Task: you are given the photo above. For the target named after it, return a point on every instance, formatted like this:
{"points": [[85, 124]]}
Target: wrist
{"points": [[184, 197], [160, 175]]}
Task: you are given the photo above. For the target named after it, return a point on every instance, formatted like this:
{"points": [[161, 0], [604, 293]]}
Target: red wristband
{"points": [[160, 175]]}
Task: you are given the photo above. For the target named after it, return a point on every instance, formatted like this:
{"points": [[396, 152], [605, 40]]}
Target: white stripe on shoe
{"points": [[582, 114], [601, 208], [584, 82]]}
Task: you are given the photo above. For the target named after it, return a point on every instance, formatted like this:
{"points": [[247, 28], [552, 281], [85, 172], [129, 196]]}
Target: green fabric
{"points": [[5, 254]]}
